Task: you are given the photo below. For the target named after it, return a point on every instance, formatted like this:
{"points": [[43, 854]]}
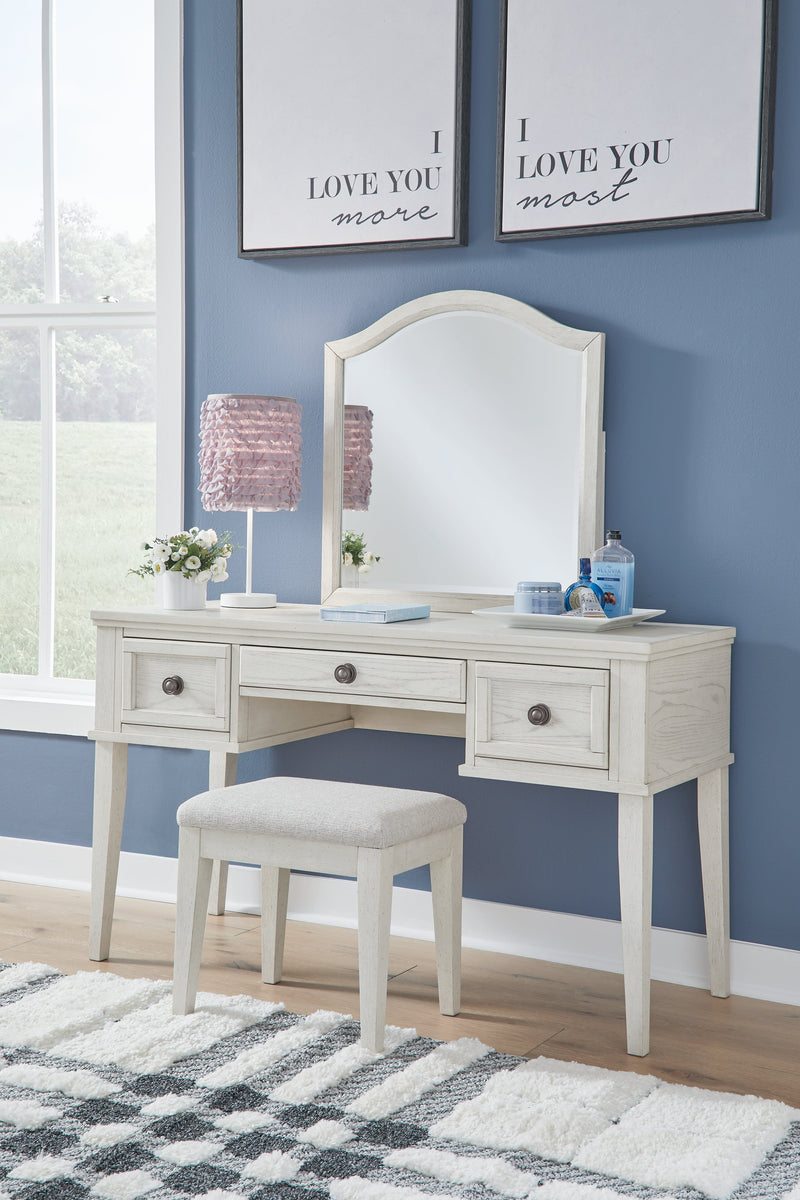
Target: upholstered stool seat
{"points": [[372, 833]]}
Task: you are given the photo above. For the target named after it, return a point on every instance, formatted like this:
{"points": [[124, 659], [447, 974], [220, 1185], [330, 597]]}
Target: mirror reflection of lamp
{"points": [[250, 460], [357, 467]]}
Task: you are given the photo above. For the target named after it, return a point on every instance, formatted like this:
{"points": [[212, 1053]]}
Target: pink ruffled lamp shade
{"points": [[357, 466], [250, 460], [250, 453]]}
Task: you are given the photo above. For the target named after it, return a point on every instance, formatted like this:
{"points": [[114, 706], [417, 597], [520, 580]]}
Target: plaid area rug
{"points": [[104, 1093]]}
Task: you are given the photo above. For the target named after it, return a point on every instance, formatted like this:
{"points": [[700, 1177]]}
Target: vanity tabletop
{"points": [[441, 632]]}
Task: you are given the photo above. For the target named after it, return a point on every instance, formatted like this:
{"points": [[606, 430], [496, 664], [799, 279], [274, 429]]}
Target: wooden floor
{"points": [[518, 1005]]}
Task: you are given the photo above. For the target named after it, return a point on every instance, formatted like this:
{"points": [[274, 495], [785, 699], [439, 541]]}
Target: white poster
{"points": [[632, 114], [352, 124]]}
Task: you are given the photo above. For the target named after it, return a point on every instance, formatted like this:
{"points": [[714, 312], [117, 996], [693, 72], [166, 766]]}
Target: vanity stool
{"points": [[372, 833]]}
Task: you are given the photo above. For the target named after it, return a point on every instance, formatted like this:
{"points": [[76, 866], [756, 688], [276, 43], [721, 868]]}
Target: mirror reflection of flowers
{"points": [[355, 552], [199, 554]]}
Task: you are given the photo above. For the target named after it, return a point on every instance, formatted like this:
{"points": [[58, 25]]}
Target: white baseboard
{"points": [[763, 972]]}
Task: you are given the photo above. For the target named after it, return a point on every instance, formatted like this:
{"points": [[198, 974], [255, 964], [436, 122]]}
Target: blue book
{"points": [[377, 613]]}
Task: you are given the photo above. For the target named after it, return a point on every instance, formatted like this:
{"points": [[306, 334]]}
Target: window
{"points": [[90, 367]]}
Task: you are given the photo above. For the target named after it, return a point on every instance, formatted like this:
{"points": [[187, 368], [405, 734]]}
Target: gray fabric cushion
{"points": [[319, 810]]}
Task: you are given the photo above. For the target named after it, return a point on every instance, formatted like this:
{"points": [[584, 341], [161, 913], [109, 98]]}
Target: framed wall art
{"points": [[633, 114], [352, 125]]}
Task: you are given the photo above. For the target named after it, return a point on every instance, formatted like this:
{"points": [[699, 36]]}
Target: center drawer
{"points": [[354, 674], [539, 714]]}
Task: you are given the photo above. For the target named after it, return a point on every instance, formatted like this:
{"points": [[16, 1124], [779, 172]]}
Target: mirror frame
{"points": [[590, 345]]}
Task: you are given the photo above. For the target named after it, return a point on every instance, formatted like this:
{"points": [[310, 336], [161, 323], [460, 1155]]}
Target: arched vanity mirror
{"points": [[475, 450]]}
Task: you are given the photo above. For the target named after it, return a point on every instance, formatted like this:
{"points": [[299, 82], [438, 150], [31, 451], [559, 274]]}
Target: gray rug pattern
{"points": [[417, 1121]]}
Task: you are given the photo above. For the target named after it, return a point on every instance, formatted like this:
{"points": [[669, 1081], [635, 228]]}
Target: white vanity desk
{"points": [[632, 711]]}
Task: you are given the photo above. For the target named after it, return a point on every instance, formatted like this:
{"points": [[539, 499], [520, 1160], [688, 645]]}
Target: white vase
{"points": [[350, 575], [179, 592]]}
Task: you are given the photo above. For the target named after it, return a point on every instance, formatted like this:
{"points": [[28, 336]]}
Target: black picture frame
{"points": [[540, 185], [326, 163]]}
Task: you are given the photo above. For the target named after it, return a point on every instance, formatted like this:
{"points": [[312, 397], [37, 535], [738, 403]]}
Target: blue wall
{"points": [[703, 437]]}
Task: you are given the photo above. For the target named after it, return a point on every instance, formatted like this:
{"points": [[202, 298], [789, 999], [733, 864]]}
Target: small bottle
{"points": [[591, 606], [572, 596], [531, 597], [612, 571]]}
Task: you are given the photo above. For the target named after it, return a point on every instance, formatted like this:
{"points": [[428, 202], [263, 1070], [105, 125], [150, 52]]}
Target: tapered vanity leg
{"points": [[194, 877], [635, 848], [221, 773], [110, 783], [375, 878], [712, 822], [446, 895]]}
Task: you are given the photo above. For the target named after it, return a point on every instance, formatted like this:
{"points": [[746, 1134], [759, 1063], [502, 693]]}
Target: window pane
{"points": [[20, 430], [21, 269], [104, 154], [105, 482]]}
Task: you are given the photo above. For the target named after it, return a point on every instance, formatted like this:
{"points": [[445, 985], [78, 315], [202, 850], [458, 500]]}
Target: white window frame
{"points": [[44, 704]]}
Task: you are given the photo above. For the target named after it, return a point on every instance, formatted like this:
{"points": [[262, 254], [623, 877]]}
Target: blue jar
{"points": [[533, 597]]}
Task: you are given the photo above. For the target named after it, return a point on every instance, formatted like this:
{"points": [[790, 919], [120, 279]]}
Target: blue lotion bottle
{"points": [[612, 571], [572, 596]]}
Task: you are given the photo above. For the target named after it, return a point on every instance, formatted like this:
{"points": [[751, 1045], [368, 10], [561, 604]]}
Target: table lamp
{"points": [[250, 458]]}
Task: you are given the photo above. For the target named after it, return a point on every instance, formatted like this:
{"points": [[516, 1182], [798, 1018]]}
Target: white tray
{"points": [[582, 624]]}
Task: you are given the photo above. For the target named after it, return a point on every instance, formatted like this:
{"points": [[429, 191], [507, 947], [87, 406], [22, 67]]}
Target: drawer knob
{"points": [[345, 673], [539, 714], [172, 685]]}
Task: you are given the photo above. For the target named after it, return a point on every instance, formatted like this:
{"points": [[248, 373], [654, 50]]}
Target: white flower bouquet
{"points": [[198, 554], [355, 552]]}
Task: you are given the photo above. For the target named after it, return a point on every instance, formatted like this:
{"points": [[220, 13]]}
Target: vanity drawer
{"points": [[542, 714], [178, 685], [363, 675]]}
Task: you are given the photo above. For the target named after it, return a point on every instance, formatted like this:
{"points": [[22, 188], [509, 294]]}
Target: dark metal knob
{"points": [[539, 714], [345, 673], [172, 685]]}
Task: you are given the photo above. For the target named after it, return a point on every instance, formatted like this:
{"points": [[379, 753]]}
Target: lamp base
{"points": [[248, 600]]}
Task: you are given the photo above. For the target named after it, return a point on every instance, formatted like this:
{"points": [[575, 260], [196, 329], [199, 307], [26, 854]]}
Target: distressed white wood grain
{"points": [[635, 712], [409, 677], [576, 733]]}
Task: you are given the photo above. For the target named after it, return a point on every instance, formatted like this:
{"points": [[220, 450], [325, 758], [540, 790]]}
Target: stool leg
{"points": [[375, 877], [274, 898], [194, 881], [446, 895]]}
